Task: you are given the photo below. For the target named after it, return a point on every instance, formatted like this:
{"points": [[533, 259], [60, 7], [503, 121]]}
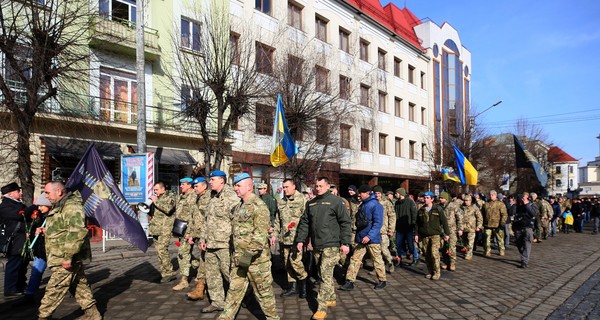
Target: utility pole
{"points": [[141, 81]]}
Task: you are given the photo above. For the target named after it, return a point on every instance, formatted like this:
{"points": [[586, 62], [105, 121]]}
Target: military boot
{"points": [[452, 266], [182, 284], [302, 288], [198, 292], [92, 313], [291, 291]]}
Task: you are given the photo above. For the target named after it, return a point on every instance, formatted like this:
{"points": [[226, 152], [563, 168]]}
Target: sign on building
{"points": [[137, 176]]}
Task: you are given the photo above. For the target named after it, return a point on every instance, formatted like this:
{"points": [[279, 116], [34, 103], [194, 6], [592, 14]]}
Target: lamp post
{"points": [[472, 123]]}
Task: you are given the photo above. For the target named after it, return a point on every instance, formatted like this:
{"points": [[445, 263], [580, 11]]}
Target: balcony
{"points": [[119, 36]]}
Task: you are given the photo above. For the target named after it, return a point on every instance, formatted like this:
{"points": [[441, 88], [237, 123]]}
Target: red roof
{"points": [[399, 21], [556, 155]]}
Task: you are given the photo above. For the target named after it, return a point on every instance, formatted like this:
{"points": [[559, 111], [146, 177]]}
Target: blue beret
{"points": [[428, 193], [218, 173], [240, 177], [198, 180], [186, 179]]}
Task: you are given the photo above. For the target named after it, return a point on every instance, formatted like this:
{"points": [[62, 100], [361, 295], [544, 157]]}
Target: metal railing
{"points": [[123, 31]]}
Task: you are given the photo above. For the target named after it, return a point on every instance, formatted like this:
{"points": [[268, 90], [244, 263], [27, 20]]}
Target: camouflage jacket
{"points": [[545, 210], [186, 207], [162, 222], [198, 222], [454, 215], [217, 231], [494, 214], [389, 217], [66, 235], [250, 223], [472, 218], [290, 210]]}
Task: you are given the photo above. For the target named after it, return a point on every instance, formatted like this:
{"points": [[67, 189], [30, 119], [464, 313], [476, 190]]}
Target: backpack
{"points": [[361, 219], [6, 236]]}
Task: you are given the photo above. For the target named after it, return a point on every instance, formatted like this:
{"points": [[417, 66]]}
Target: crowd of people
{"points": [[228, 232]]}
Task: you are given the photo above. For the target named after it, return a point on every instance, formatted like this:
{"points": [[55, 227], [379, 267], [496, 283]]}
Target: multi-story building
{"points": [[589, 177], [563, 172]]}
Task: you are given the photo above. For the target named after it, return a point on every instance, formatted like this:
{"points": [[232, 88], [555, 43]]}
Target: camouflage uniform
{"points": [[161, 227], [290, 210], [66, 240], [389, 225], [494, 215], [454, 216], [472, 220], [216, 233], [250, 228], [545, 214], [431, 226], [186, 206], [198, 222]]}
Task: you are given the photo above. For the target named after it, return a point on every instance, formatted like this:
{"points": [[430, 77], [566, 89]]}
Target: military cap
{"points": [[445, 195], [198, 180], [13, 186], [428, 194], [378, 189], [240, 177], [186, 180], [468, 198], [261, 185], [364, 188], [389, 192], [218, 173], [401, 191], [352, 188]]}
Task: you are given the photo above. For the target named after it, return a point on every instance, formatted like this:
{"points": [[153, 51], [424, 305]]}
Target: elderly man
{"points": [[67, 245], [494, 217], [11, 213], [251, 256], [215, 240], [160, 228], [186, 206]]}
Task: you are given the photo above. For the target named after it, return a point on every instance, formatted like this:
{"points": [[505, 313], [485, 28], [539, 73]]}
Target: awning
{"points": [[74, 148], [170, 156]]}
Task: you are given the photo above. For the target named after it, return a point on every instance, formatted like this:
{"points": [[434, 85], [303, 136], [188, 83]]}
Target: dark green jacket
{"points": [[326, 219], [272, 205], [431, 223]]}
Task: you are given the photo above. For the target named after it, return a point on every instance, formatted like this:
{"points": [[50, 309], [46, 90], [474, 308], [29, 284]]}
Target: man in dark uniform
{"points": [[12, 213]]}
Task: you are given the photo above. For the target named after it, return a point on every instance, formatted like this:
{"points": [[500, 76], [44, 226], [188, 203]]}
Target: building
{"points": [[589, 177], [563, 172]]}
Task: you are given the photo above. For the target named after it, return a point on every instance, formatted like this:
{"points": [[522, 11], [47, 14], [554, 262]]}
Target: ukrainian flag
{"points": [[450, 175], [466, 171], [283, 147]]}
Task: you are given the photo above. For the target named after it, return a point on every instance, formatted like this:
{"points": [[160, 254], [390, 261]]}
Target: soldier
{"points": [[545, 212], [161, 226], [454, 215], [354, 203], [388, 227], [368, 238], [184, 212], [251, 257], [472, 223], [430, 227], [215, 237], [67, 245], [494, 217], [198, 224], [291, 207], [271, 203], [326, 221]]}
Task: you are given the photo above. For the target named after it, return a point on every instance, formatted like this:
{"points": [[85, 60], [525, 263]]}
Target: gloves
{"points": [[245, 259]]}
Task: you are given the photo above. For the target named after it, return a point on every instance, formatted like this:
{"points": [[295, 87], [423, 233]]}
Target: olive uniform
{"points": [[161, 227], [431, 226], [290, 210]]}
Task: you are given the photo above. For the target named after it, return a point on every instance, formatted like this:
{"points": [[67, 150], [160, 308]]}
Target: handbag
{"points": [[5, 239], [179, 227]]}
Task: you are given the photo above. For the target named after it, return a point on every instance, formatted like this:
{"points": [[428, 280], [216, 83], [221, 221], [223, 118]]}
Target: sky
{"points": [[540, 57]]}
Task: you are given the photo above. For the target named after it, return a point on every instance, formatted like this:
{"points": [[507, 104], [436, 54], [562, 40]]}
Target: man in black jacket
{"points": [[523, 228], [406, 216], [12, 212]]}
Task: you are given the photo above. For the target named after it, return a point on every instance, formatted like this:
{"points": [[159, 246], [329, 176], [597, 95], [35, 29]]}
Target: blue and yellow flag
{"points": [[283, 147], [466, 171], [450, 175]]}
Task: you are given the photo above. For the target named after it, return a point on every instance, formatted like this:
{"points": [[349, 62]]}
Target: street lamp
{"points": [[488, 108], [472, 122]]}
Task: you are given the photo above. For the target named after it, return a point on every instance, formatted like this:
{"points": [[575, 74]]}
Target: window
{"points": [[381, 59], [190, 34], [411, 111], [558, 183], [264, 119], [264, 58], [423, 80], [398, 147], [398, 107], [321, 28], [423, 151], [382, 101], [558, 170], [263, 6], [411, 149], [382, 142], [411, 74], [364, 94], [570, 183], [295, 15], [364, 50], [365, 136], [118, 96], [570, 169], [322, 136], [344, 88], [123, 10], [345, 136], [397, 67], [423, 116], [234, 47], [322, 79], [295, 69], [186, 96], [344, 40]]}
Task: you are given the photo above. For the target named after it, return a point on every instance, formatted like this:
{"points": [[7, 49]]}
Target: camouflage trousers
{"points": [[327, 259], [198, 262], [468, 239], [496, 233], [184, 258], [431, 250], [162, 243], [61, 281], [385, 249], [258, 274], [450, 254], [218, 263], [357, 257], [292, 260], [344, 257]]}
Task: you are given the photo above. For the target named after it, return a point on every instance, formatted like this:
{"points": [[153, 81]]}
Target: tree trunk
{"points": [[24, 171]]}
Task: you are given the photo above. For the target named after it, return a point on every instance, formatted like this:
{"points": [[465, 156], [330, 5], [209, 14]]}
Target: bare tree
{"points": [[44, 47]]}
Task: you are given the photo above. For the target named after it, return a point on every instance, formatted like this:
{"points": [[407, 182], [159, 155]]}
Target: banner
{"points": [[137, 176], [524, 159]]}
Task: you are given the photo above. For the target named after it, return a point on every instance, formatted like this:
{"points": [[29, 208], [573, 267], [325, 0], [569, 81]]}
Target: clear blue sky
{"points": [[540, 57]]}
